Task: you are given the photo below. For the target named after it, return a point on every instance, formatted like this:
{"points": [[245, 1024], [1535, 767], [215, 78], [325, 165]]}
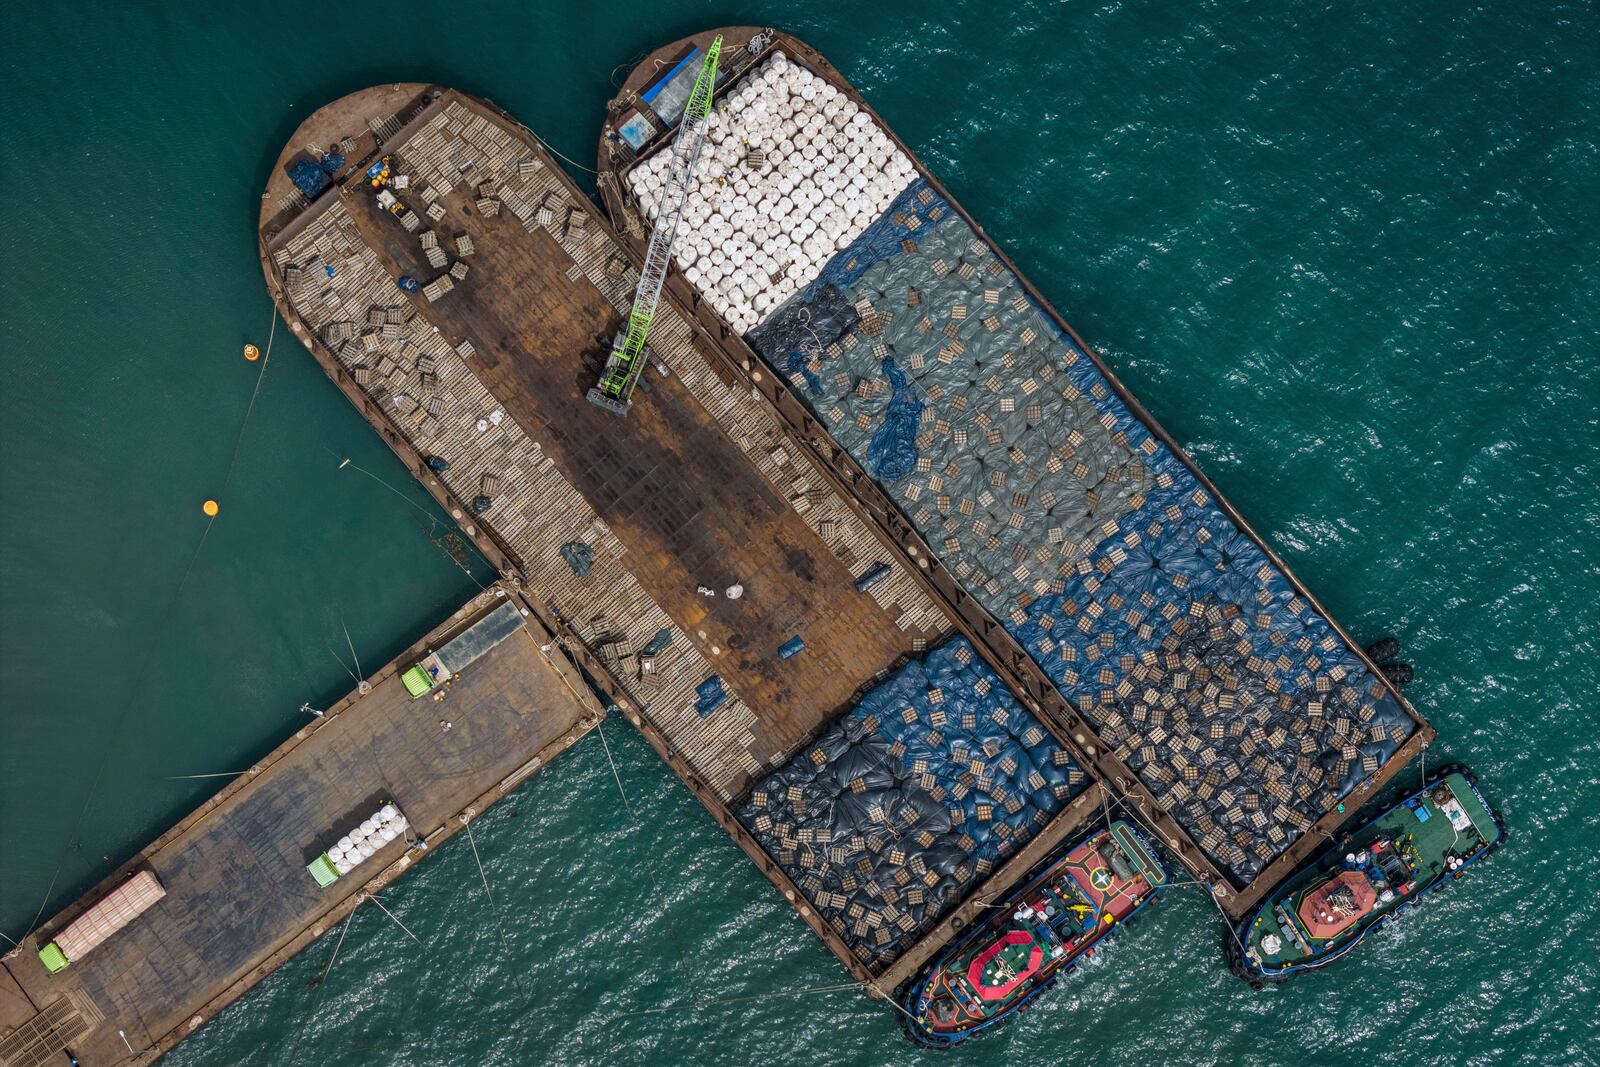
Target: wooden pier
{"points": [[239, 900]]}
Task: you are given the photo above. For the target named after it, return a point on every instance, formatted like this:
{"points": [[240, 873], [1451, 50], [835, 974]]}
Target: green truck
{"points": [[442, 666]]}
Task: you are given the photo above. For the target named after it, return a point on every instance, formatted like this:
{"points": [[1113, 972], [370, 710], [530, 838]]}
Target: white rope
{"points": [[505, 945], [433, 523], [774, 994], [343, 929], [397, 922], [649, 864], [352, 645], [892, 1002], [134, 691], [266, 357], [546, 146]]}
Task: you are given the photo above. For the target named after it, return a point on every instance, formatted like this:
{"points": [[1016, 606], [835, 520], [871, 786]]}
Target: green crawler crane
{"points": [[628, 356]]}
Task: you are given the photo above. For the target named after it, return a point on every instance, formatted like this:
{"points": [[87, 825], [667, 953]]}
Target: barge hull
{"points": [[677, 552], [1061, 705]]}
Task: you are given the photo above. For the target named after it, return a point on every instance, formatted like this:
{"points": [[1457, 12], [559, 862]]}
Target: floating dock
{"points": [[1132, 604], [239, 899]]}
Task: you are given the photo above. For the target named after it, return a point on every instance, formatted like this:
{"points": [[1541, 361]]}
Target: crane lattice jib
{"points": [[624, 372]]}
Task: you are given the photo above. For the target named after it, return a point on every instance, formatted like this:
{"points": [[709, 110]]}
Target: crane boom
{"points": [[628, 360]]}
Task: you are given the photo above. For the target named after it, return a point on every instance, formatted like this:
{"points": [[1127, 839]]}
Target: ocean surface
{"points": [[1345, 252]]}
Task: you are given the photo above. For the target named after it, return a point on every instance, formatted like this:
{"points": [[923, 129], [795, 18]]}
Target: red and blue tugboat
{"points": [[1427, 840], [1034, 936]]}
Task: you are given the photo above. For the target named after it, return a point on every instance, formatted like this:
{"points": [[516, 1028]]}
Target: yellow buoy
{"points": [[210, 508], [252, 353]]}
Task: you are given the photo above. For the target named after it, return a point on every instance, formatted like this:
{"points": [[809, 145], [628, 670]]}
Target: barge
{"points": [[731, 597], [1036, 935], [1370, 878], [1066, 530]]}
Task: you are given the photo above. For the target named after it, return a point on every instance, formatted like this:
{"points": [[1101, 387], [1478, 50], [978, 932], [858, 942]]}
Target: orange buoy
{"points": [[252, 353], [211, 508]]}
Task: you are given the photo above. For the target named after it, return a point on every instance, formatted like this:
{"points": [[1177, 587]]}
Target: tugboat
{"points": [[1425, 841], [1037, 934]]}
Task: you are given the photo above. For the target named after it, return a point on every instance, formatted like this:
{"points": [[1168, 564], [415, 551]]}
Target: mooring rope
{"points": [[135, 690], [266, 357], [433, 522], [343, 929], [374, 898], [1207, 886], [893, 1003], [353, 675], [360, 674], [159, 630], [505, 943], [649, 864], [546, 146], [720, 1001]]}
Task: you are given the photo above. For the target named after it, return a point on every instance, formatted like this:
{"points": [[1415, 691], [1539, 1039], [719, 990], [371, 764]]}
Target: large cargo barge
{"points": [[1055, 517], [732, 598]]}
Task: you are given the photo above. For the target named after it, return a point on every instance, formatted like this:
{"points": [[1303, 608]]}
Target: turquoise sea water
{"points": [[1345, 253]]}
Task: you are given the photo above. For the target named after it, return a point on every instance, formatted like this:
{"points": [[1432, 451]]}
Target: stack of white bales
{"points": [[386, 824], [793, 172]]}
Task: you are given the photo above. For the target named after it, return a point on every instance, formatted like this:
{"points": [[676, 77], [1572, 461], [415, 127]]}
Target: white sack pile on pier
{"points": [[793, 172]]}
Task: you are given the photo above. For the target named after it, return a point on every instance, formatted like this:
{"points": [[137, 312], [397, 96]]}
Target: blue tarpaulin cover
{"points": [[1235, 700], [913, 796], [309, 178]]}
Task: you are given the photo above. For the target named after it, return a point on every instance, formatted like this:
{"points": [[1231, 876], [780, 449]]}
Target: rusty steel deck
{"points": [[681, 546]]}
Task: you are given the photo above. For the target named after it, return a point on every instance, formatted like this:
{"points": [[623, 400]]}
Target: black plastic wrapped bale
{"points": [[902, 806]]}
